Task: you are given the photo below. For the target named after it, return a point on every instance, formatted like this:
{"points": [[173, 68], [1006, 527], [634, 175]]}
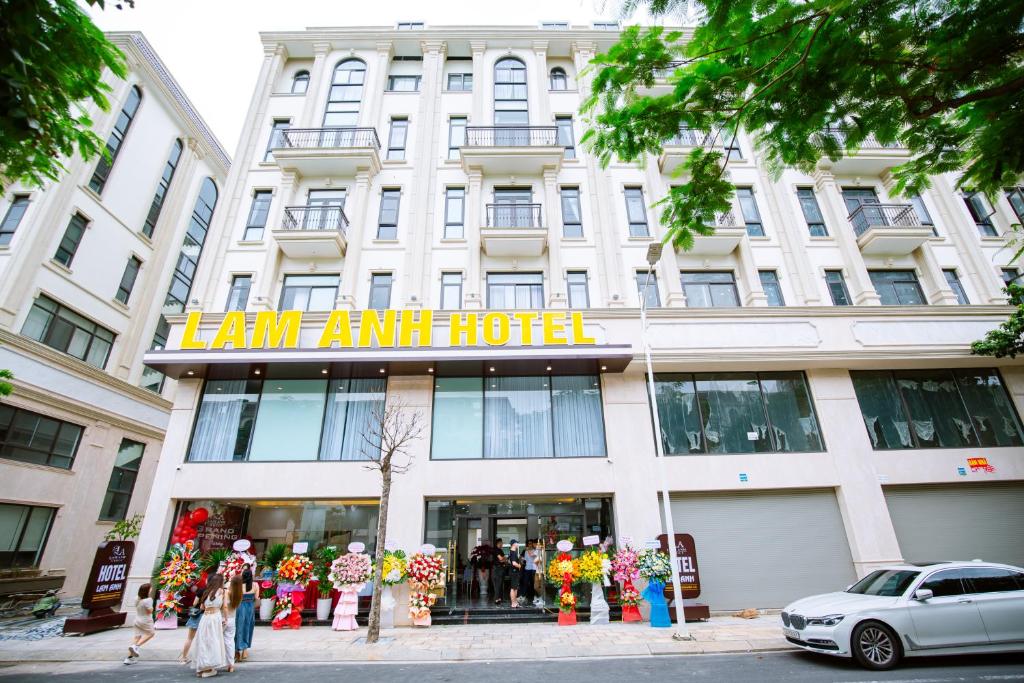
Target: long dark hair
{"points": [[234, 597], [215, 583], [247, 578]]}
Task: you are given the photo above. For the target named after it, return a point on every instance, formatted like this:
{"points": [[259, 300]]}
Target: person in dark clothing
{"points": [[515, 572], [498, 572]]}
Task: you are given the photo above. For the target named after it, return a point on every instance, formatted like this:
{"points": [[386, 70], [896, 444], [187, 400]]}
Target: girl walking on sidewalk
{"points": [[209, 642], [144, 630], [232, 601]]}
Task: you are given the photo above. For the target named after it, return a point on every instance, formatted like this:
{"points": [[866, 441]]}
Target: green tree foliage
{"points": [[52, 60], [6, 387], [944, 78], [1008, 338]]}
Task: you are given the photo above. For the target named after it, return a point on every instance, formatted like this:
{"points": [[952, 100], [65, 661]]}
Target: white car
{"points": [[914, 610]]}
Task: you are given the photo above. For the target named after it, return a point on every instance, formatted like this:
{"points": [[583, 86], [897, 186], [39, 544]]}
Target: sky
{"points": [[212, 47]]}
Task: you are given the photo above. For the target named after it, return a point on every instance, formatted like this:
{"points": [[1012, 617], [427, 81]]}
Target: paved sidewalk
{"points": [[437, 643]]}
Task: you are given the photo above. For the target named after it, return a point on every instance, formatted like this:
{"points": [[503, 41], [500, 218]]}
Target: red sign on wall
{"points": [[980, 464]]}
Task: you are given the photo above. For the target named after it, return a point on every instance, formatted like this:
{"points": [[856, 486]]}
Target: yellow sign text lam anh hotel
{"points": [[390, 329]]}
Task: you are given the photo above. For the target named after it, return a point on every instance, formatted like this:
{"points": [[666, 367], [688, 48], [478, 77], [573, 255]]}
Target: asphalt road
{"points": [[775, 667]]}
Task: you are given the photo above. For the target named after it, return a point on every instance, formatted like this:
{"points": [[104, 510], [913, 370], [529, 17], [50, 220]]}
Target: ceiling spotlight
{"points": [[431, 370], [256, 371], [549, 368], [604, 367], [492, 369], [324, 371], [382, 371], [190, 372]]}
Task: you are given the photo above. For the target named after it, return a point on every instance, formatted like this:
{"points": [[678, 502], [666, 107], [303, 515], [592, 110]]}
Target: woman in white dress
{"points": [[209, 641], [231, 602]]}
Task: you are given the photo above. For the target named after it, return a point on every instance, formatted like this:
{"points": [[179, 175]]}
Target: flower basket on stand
{"points": [[393, 573], [166, 611], [292, 574], [655, 566], [564, 571], [426, 573], [349, 574], [181, 571], [268, 597], [625, 570], [594, 567]]}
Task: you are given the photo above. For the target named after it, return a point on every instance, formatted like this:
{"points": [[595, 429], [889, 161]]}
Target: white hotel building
{"points": [[88, 266], [818, 398]]}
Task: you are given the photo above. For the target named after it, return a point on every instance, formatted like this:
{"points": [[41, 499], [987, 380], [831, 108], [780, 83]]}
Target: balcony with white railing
{"points": [[872, 158], [888, 229], [312, 232], [514, 230], [675, 150], [662, 84], [327, 152], [728, 234], [513, 150]]}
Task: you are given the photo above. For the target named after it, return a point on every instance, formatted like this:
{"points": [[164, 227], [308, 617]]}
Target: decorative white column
{"points": [[478, 47], [317, 91], [668, 266], [834, 209], [284, 195], [745, 257], [798, 265], [376, 82], [543, 108], [358, 203], [473, 210], [556, 292]]}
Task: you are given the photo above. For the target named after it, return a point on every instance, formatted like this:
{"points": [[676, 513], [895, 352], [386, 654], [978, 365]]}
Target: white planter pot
{"points": [[266, 609], [323, 609], [387, 608]]}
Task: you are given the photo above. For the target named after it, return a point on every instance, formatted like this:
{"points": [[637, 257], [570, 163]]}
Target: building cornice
{"points": [[81, 370], [145, 58]]}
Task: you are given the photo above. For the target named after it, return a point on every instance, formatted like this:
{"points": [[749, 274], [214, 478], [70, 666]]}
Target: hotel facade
{"points": [[409, 218], [89, 264]]}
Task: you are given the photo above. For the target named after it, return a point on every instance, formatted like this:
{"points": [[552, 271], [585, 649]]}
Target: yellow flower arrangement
{"points": [[394, 570], [592, 566]]}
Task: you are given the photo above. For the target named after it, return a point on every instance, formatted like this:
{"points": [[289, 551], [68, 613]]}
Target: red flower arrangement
{"points": [[426, 570], [233, 566], [295, 569]]}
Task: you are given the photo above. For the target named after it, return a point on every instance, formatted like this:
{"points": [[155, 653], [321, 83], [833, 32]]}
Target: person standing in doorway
{"points": [[144, 629], [498, 572], [245, 617], [515, 573], [529, 571]]}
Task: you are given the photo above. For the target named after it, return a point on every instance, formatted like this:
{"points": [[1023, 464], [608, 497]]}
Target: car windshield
{"points": [[887, 583]]}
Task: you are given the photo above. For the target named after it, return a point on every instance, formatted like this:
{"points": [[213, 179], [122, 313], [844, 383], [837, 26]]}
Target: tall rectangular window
{"points": [[751, 215], [812, 212], [33, 438], [15, 212], [517, 417], [258, 213], [131, 272], [276, 139], [565, 137], [238, 296], [380, 291], [387, 222], [925, 218], [647, 288], [837, 288], [72, 238], [1011, 276], [397, 137], [122, 480], [576, 286], [636, 212], [772, 288], [451, 291], [62, 329], [572, 215], [308, 293], [456, 135], [153, 215], [980, 211], [23, 533], [736, 412], [936, 408], [461, 82], [1014, 195], [954, 283], [454, 212], [515, 290], [715, 289], [116, 141], [897, 287]]}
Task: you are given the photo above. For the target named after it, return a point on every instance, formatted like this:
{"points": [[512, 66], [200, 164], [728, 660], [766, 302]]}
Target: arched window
{"points": [[300, 83], [559, 81], [116, 139], [346, 93], [510, 106]]}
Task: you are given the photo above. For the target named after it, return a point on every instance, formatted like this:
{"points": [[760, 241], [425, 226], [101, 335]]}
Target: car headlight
{"points": [[830, 620]]}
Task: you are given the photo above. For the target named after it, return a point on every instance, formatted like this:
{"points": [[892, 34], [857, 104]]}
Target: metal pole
{"points": [[682, 632]]}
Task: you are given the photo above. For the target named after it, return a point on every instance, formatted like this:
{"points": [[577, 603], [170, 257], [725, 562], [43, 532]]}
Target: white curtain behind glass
{"points": [[517, 417], [217, 425], [364, 395], [578, 422]]}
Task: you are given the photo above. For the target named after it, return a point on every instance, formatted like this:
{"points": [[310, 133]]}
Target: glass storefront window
{"points": [[288, 420], [458, 418], [224, 423]]}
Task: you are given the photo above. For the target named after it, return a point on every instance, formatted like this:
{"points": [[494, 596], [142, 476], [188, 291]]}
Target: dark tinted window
{"points": [[993, 580], [948, 582]]}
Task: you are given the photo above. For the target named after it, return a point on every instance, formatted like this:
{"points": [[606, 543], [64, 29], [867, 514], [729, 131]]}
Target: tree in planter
{"points": [[392, 428]]}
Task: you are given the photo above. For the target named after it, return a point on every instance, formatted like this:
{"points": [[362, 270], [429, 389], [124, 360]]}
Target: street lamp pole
{"points": [[682, 632]]}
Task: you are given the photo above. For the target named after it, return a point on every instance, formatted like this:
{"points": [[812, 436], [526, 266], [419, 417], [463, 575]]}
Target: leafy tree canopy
{"points": [[52, 59], [944, 78]]}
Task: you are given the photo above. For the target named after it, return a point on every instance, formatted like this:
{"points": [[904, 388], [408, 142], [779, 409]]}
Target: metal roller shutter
{"points": [[959, 521], [765, 549]]}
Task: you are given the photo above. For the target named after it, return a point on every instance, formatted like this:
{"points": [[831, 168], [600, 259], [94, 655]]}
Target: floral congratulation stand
{"points": [[626, 571], [349, 574], [426, 573], [393, 573], [594, 567], [655, 567], [564, 571], [292, 574], [180, 572]]}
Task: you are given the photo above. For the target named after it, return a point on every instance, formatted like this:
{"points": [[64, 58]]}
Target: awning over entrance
{"points": [[442, 361]]}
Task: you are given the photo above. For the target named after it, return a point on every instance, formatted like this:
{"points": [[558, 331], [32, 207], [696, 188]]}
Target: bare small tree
{"points": [[391, 430]]}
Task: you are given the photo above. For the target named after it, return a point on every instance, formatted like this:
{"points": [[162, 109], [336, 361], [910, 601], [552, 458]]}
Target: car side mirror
{"points": [[923, 594]]}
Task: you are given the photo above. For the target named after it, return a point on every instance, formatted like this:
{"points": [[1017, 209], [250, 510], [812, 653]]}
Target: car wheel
{"points": [[875, 646]]}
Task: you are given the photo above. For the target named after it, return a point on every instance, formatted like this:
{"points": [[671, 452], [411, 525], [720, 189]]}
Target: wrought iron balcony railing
{"points": [[689, 137], [869, 142], [867, 216], [511, 136], [327, 138], [511, 216], [315, 218]]}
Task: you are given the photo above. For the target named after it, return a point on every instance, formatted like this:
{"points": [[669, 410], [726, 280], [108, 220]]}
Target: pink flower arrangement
{"points": [[420, 604], [625, 566], [233, 566], [351, 568], [426, 570]]}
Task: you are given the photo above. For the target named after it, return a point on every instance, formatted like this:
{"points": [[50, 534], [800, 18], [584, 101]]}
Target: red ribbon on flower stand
{"points": [[566, 618], [630, 612]]}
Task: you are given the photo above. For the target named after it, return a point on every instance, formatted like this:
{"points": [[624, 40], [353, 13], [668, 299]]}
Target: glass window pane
{"points": [[517, 417], [289, 419], [458, 429], [679, 414], [12, 520], [734, 418], [936, 410], [794, 427], [225, 419], [882, 410], [995, 420], [578, 419]]}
